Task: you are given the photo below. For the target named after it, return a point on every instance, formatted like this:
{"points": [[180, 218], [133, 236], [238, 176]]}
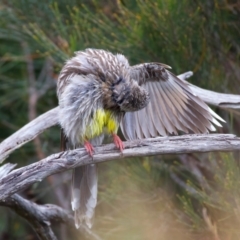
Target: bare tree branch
{"points": [[21, 178], [40, 217], [221, 100], [217, 99], [50, 118], [28, 133], [6, 168], [37, 216]]}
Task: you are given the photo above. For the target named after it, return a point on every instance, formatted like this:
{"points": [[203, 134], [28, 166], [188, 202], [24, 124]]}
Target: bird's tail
{"points": [[84, 190], [84, 193]]}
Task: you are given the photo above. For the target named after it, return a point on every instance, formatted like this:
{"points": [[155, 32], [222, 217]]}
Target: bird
{"points": [[100, 92]]}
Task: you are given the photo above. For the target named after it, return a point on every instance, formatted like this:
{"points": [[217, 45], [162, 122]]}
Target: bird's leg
{"points": [[118, 142], [89, 148]]}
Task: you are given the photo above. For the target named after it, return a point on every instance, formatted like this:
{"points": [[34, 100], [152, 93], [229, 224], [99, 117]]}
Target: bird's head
{"points": [[128, 95]]}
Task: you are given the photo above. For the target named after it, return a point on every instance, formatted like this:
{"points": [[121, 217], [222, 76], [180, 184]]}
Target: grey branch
{"points": [[28, 133], [21, 178], [39, 217], [50, 118], [216, 99]]}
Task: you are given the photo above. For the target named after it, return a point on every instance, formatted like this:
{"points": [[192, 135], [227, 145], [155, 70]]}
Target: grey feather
{"points": [[84, 190], [84, 194], [172, 107]]}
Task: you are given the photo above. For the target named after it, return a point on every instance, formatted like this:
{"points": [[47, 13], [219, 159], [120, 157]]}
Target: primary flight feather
{"points": [[99, 91]]}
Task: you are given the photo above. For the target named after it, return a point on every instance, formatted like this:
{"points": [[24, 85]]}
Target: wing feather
{"points": [[144, 120], [150, 117], [172, 107], [163, 104], [128, 122], [176, 110], [155, 114], [138, 130]]}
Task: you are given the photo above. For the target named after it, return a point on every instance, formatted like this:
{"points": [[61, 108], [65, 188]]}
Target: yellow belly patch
{"points": [[102, 121]]}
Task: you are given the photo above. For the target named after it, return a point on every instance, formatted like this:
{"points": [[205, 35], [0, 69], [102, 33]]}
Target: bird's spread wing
{"points": [[172, 107]]}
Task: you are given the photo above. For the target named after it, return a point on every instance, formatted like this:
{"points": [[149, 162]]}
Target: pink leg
{"points": [[118, 142], [89, 148]]}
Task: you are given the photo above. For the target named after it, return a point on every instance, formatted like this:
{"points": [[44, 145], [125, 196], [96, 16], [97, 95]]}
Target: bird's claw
{"points": [[118, 142], [89, 148]]}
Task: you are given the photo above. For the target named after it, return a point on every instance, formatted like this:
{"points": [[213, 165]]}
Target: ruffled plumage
{"points": [[147, 100]]}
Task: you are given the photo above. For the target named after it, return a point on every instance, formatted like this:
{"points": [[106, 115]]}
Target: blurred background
{"points": [[190, 196]]}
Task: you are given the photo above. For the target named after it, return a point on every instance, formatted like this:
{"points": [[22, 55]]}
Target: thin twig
{"points": [[33, 96]]}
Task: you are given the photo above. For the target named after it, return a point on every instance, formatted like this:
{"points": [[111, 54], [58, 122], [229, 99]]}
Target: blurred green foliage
{"points": [[172, 197]]}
